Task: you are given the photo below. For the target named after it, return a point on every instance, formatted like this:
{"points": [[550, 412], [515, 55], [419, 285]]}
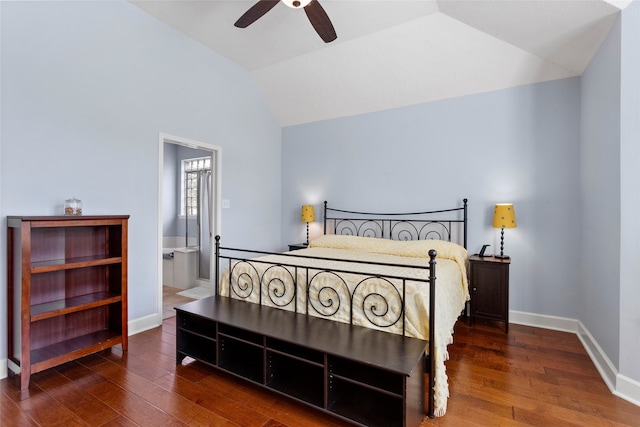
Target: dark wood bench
{"points": [[361, 375]]}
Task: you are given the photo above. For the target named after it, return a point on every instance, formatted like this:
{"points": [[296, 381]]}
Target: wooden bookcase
{"points": [[67, 289]]}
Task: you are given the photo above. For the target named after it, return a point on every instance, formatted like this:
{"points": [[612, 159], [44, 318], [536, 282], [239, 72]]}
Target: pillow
{"points": [[407, 248], [353, 243]]}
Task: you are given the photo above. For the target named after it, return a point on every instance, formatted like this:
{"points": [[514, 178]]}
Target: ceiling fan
{"points": [[316, 14]]}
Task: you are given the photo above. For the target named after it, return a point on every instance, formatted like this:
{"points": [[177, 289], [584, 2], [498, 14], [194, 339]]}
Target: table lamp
{"points": [[503, 217], [308, 215]]}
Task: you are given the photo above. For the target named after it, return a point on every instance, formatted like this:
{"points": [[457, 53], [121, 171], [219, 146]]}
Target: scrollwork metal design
{"points": [[370, 229], [376, 307], [243, 282], [346, 228], [328, 301], [280, 285], [367, 228], [435, 230], [404, 230]]}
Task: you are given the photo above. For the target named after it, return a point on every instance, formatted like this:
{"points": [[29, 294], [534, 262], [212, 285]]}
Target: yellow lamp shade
{"points": [[308, 215], [504, 216]]}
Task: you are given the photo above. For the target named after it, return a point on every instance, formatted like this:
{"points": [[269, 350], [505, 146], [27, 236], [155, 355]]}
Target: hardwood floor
{"points": [[170, 299], [530, 377]]}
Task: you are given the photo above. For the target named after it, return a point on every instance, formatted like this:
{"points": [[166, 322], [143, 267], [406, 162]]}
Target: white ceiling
{"points": [[394, 53]]}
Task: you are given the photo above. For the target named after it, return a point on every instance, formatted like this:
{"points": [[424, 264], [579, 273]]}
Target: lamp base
{"points": [[502, 256]]}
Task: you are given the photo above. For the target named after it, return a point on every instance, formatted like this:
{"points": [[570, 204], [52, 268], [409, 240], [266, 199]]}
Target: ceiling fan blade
{"points": [[255, 12], [320, 21]]}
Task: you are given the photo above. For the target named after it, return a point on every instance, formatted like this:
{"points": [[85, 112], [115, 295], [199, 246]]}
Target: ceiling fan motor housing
{"points": [[296, 4]]}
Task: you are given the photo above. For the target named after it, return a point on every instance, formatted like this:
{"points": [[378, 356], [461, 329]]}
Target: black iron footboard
{"points": [[278, 280]]}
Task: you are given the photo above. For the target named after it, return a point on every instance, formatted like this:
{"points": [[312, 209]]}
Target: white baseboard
{"points": [[607, 370], [144, 323], [541, 321], [623, 387], [3, 368], [628, 389]]}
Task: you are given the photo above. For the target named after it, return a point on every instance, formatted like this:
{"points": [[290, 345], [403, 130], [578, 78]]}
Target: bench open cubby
{"points": [[296, 378]]}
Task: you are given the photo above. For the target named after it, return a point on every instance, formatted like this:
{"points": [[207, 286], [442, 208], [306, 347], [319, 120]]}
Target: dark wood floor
{"points": [[531, 377]]}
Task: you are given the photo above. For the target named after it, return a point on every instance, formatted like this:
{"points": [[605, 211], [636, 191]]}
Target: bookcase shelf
{"points": [[68, 264], [70, 305], [67, 289]]}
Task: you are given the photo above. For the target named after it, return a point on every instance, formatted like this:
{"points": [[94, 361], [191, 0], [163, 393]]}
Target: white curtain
{"points": [[204, 223]]}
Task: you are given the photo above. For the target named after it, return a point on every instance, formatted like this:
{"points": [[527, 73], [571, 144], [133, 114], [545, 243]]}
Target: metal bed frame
{"points": [[397, 226], [283, 293]]}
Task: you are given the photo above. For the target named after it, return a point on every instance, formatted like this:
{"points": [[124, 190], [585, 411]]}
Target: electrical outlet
{"points": [[226, 204]]}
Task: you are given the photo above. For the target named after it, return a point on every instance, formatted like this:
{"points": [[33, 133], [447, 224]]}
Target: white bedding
{"points": [[451, 288]]}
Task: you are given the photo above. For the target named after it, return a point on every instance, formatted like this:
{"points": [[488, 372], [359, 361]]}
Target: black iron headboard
{"points": [[399, 226]]}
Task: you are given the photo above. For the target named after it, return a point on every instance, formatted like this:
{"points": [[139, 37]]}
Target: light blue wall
{"points": [[170, 184], [630, 194], [518, 145], [86, 89], [610, 155], [600, 188]]}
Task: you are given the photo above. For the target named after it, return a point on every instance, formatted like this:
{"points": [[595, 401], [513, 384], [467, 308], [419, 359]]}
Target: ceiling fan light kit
{"points": [[315, 12], [296, 4]]}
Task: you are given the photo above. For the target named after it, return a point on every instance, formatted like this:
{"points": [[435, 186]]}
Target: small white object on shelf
{"points": [[73, 206]]}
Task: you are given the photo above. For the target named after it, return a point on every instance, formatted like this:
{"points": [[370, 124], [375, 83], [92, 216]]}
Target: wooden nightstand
{"points": [[296, 246], [489, 288]]}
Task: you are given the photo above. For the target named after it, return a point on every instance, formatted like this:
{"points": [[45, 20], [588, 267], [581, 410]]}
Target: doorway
{"points": [[189, 183]]}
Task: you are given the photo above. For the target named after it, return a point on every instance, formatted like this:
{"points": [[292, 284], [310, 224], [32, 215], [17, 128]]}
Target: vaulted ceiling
{"points": [[394, 53]]}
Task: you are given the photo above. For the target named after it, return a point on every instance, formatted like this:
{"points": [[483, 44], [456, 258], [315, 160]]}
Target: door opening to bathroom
{"points": [[189, 217]]}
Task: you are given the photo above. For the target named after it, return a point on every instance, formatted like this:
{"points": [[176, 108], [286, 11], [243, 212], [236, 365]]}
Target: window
{"points": [[190, 170]]}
